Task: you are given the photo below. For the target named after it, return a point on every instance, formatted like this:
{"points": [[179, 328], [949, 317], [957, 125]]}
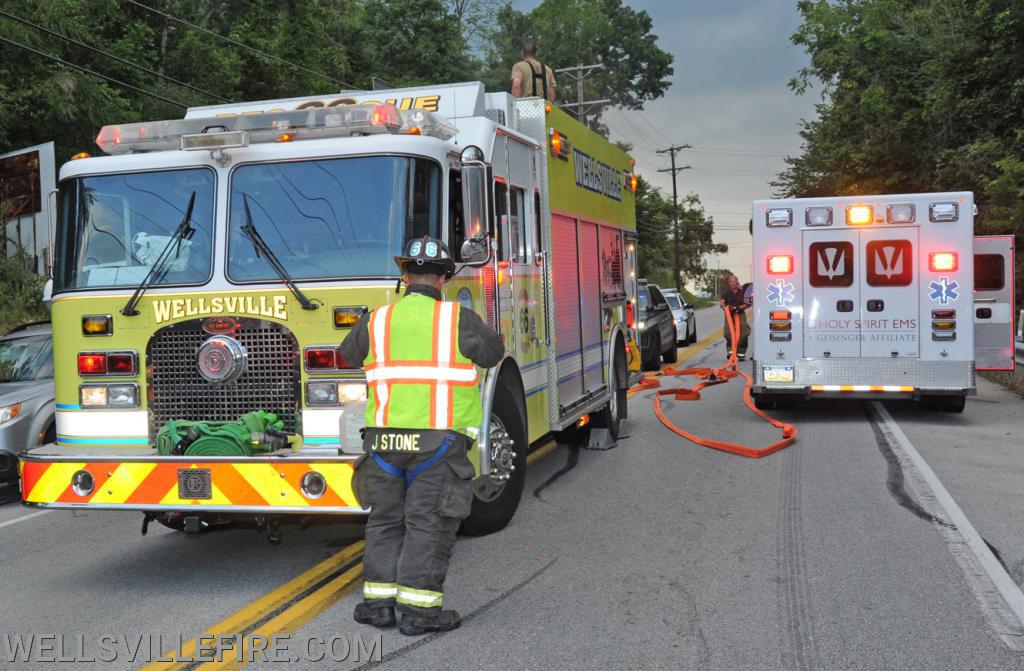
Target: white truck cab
{"points": [[874, 296]]}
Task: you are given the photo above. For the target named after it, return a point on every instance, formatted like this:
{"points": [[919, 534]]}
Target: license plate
{"points": [[194, 484], [777, 373]]}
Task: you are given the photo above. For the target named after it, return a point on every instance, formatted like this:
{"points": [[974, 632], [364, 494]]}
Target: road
{"points": [[833, 553]]}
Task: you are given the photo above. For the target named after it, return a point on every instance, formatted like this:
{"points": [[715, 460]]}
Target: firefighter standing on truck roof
{"points": [[423, 399], [734, 300], [530, 77]]}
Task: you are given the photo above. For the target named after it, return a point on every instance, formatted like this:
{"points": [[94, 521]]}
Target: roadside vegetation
{"points": [[916, 97]]}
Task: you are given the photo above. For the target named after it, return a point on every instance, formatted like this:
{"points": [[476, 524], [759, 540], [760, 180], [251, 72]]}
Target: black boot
{"points": [[382, 616], [417, 625]]}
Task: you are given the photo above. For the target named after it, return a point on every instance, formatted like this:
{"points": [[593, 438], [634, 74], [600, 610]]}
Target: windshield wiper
{"points": [[261, 246], [156, 273]]}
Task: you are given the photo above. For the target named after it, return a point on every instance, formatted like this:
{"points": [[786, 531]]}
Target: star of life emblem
{"points": [[781, 293], [944, 291]]}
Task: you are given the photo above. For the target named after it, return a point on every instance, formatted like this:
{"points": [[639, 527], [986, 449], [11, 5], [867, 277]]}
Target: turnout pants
{"points": [[744, 335], [412, 524]]}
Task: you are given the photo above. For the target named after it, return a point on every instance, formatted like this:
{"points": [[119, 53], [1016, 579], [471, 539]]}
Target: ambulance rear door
{"points": [[993, 302], [831, 293], [889, 311]]}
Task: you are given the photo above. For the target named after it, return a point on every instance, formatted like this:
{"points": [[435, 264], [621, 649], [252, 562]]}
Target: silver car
{"points": [[682, 315], [27, 409]]}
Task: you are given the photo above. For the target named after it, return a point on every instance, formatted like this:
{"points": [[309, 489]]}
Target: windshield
{"points": [[674, 302], [113, 228], [343, 217], [26, 358]]}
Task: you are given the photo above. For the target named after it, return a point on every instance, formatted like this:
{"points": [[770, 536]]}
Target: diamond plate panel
{"points": [[903, 372]]}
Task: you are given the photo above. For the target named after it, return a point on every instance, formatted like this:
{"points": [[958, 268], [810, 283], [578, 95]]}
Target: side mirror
{"points": [[474, 251], [687, 306]]}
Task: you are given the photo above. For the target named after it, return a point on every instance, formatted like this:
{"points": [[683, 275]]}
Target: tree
{"points": [[916, 97], [21, 300], [655, 245], [585, 32], [412, 42]]}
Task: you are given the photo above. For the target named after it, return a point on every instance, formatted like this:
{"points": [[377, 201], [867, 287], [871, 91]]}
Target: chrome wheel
{"points": [[503, 455]]}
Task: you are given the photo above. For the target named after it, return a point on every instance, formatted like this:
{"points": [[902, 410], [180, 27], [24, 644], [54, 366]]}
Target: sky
{"points": [[729, 99]]}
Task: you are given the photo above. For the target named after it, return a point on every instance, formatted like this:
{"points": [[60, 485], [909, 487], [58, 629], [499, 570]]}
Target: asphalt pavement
{"points": [[835, 553]]}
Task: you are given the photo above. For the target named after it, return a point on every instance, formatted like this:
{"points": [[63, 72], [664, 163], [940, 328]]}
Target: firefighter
{"points": [[734, 300], [530, 77], [423, 410]]}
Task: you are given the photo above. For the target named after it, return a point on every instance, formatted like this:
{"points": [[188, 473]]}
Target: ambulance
{"points": [[877, 297], [207, 268]]}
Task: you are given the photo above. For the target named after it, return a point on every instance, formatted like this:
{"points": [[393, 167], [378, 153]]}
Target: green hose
{"points": [[220, 439]]}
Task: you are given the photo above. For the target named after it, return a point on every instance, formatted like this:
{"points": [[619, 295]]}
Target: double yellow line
{"points": [[286, 609], [281, 611]]}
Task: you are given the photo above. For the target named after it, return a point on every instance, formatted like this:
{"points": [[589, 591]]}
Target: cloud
{"points": [[729, 99]]}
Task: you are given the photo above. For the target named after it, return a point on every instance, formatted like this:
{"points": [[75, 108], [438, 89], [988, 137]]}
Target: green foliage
{"points": [[21, 300], [917, 96], [696, 301], [585, 32], [655, 243]]}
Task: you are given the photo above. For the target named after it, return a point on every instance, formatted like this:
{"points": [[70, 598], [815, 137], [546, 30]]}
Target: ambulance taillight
{"points": [[943, 262], [780, 264]]}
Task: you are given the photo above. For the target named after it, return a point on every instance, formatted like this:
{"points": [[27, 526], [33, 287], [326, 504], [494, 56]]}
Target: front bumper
{"points": [[264, 484]]}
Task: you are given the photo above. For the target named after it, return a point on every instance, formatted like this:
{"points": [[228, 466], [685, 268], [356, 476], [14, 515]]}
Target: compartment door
{"points": [[831, 288], [568, 333], [993, 303]]}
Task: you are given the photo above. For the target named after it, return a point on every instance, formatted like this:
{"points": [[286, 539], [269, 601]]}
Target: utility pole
{"points": [[671, 151], [578, 74]]}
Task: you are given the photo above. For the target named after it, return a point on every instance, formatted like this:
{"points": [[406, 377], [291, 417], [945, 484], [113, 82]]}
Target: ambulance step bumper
{"points": [[874, 377], [278, 485]]}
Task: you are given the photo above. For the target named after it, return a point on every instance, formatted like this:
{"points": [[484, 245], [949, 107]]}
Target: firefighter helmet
{"points": [[428, 256]]}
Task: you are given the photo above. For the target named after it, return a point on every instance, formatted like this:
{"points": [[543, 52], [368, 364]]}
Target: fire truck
{"points": [[877, 297], [207, 268]]}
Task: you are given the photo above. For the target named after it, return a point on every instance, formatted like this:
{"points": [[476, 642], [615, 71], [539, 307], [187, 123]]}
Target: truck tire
{"points": [[650, 363], [763, 402], [612, 415], [495, 501], [671, 355]]}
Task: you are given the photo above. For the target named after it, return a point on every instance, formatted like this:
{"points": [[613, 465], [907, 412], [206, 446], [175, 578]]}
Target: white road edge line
{"points": [[23, 518], [1007, 589]]}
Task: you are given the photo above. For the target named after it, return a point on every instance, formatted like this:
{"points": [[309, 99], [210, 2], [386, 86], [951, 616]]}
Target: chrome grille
{"points": [[176, 390]]}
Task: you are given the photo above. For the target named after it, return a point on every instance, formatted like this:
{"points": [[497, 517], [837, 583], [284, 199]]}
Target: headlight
{"points": [[322, 392], [9, 412], [642, 325]]}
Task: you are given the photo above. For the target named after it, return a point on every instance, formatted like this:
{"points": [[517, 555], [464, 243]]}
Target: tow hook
{"points": [[273, 532], [146, 519]]}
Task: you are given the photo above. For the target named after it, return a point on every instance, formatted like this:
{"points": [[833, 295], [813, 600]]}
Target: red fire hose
{"points": [[710, 377]]}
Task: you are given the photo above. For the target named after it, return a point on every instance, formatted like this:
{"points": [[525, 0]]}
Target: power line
{"points": [[239, 44], [93, 72], [110, 55], [648, 122], [727, 150], [646, 138]]}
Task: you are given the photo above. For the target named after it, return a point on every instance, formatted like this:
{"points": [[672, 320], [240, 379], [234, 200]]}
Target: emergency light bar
{"points": [[214, 133]]}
